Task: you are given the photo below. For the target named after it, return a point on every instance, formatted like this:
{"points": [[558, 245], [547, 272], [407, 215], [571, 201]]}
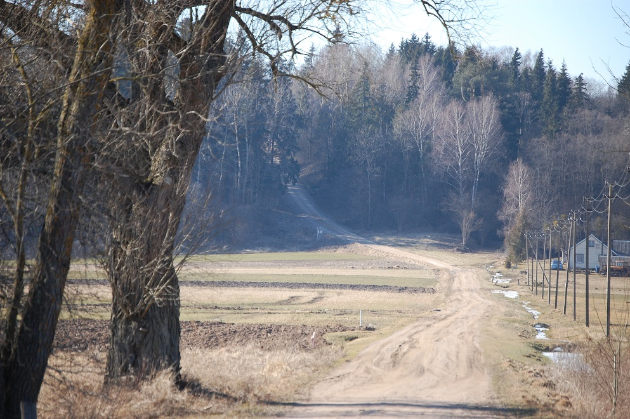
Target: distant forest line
{"points": [[419, 136]]}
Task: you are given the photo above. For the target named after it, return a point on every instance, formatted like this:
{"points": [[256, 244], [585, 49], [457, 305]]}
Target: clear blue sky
{"points": [[587, 34]]}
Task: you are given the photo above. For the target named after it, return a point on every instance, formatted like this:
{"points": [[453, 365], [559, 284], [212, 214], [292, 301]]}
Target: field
{"points": [[268, 327], [259, 330]]}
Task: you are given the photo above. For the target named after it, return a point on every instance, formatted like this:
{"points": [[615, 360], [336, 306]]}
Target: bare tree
{"points": [[452, 151], [466, 218], [415, 126], [517, 203], [517, 191], [26, 347], [367, 146], [485, 137], [467, 142]]}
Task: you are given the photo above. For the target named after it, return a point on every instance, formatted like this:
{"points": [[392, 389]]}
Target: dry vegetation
{"points": [[230, 381], [250, 372], [243, 372], [583, 384]]}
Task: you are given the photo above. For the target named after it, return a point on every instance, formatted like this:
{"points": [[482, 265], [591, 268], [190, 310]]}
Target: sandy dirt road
{"points": [[432, 368]]}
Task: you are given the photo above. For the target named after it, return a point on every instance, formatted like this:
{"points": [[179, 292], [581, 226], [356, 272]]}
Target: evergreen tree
{"points": [[579, 97], [538, 78], [309, 59], [410, 49], [444, 60], [469, 78], [526, 80], [515, 73], [413, 85], [362, 109], [391, 52], [623, 90], [427, 46], [550, 110], [472, 55], [564, 87]]}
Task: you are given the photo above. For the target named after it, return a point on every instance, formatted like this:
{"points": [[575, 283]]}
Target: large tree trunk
{"points": [[29, 349], [146, 208], [148, 341], [144, 329]]}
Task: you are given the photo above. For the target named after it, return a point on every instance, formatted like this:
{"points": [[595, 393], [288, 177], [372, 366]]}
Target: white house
{"points": [[596, 248]]}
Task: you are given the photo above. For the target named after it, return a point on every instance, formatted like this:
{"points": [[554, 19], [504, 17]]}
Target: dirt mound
{"points": [[80, 335]]}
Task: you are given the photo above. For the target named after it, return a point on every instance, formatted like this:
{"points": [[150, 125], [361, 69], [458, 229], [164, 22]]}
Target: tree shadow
{"points": [[402, 409]]}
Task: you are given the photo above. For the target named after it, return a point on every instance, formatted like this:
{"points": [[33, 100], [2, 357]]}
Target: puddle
{"points": [[497, 278], [541, 328], [531, 311], [508, 294], [567, 360]]}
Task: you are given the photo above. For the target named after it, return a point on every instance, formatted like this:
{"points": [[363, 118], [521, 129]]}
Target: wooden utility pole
{"points": [[536, 253], [531, 284], [557, 280], [608, 254], [549, 278], [574, 267], [588, 268], [544, 257], [518, 280], [566, 283]]}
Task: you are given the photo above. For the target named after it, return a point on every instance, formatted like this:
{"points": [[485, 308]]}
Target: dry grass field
{"points": [[266, 360]]}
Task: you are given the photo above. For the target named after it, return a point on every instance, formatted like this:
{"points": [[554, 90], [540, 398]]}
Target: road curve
{"points": [[432, 368]]}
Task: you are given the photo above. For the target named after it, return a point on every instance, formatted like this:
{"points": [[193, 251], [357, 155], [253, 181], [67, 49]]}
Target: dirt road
{"points": [[432, 368]]}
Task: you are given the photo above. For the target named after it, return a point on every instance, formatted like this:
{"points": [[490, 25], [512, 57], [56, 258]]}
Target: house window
{"points": [[591, 243], [579, 258]]}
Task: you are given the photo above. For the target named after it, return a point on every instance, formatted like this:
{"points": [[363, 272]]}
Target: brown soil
{"points": [[84, 335], [301, 285]]}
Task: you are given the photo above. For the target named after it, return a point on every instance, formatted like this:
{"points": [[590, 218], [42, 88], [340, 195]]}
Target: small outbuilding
{"points": [[596, 249]]}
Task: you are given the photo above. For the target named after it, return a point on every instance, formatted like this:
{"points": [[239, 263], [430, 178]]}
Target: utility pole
{"points": [[588, 268], [536, 252], [549, 278], [608, 257], [544, 257], [566, 283], [574, 267], [531, 284], [518, 280], [557, 280]]}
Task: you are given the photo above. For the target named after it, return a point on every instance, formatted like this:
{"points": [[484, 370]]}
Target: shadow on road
{"points": [[401, 409]]}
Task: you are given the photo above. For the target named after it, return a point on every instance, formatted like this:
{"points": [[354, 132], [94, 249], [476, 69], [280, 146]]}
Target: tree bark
{"points": [[30, 348], [145, 330]]}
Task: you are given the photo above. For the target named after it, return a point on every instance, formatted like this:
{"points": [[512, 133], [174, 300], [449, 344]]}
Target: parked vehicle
{"points": [[556, 265]]}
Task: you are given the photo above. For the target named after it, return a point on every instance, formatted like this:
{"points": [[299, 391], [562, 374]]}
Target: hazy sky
{"points": [[587, 34]]}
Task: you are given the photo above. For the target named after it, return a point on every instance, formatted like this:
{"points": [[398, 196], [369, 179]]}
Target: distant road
{"points": [[307, 209]]}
